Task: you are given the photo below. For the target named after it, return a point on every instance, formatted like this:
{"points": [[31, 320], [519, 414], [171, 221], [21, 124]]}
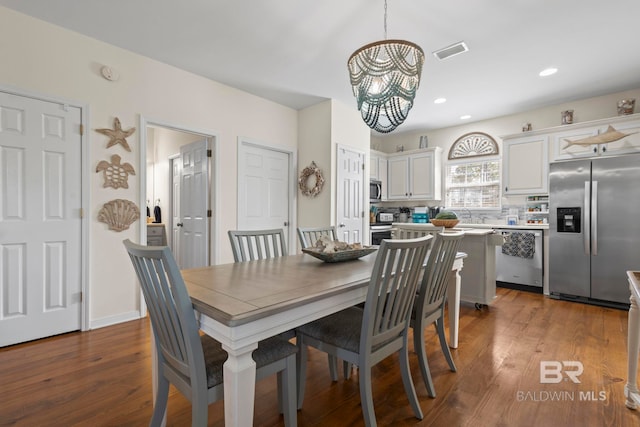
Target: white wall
{"points": [[321, 127], [40, 58]]}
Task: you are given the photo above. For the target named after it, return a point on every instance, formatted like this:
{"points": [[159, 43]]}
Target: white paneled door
{"points": [[350, 195], [263, 188], [40, 218], [194, 204]]}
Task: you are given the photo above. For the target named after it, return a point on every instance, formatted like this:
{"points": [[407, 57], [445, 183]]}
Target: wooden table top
{"points": [[242, 292]]}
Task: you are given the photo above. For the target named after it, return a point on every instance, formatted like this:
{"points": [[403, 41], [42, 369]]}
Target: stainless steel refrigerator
{"points": [[594, 228]]}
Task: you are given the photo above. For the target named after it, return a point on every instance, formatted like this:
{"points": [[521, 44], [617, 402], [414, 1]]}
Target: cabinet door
{"points": [[398, 178], [525, 165], [563, 148], [422, 176], [382, 176], [374, 166], [626, 145]]}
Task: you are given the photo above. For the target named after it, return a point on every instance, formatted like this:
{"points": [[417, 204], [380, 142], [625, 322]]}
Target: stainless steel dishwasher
{"points": [[519, 260]]}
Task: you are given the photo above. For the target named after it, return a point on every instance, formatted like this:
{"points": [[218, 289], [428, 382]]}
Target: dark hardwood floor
{"points": [[102, 377]]}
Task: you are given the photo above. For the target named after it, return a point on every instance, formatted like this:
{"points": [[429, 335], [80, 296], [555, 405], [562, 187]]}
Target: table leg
{"points": [[631, 388], [239, 386], [453, 302]]}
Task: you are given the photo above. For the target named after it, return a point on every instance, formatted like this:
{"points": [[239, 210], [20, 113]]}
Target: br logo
{"points": [[553, 372]]}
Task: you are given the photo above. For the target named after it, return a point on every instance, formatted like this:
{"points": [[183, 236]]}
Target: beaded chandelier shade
{"points": [[385, 76]]}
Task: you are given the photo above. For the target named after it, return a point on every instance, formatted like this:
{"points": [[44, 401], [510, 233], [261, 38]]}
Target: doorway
{"points": [[161, 183]]}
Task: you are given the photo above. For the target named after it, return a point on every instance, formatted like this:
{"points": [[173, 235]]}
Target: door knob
{"points": [[286, 223], [342, 225], [179, 224]]}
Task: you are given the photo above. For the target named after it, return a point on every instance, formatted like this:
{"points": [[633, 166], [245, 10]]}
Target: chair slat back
{"points": [[310, 235], [249, 245], [435, 280], [174, 324], [411, 231], [392, 289]]}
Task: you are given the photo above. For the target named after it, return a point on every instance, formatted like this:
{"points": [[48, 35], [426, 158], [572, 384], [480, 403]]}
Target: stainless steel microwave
{"points": [[375, 191]]}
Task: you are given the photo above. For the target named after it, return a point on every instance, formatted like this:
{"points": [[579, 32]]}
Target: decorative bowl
{"points": [[346, 255], [446, 223]]}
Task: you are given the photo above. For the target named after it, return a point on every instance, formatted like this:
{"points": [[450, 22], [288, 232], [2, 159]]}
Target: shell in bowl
{"points": [[446, 223]]}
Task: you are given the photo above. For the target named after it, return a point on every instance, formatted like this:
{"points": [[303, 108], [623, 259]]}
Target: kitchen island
{"points": [[478, 284], [544, 228]]}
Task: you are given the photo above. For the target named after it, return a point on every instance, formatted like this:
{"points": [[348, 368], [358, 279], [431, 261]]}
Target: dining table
{"points": [[240, 304]]}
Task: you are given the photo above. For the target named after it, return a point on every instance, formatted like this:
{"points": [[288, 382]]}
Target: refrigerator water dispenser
{"points": [[568, 220]]}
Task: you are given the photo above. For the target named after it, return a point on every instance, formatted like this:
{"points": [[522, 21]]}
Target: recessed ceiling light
{"points": [[465, 117], [548, 71], [440, 100]]}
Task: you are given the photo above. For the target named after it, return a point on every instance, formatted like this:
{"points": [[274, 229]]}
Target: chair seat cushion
{"points": [[268, 351], [341, 329]]}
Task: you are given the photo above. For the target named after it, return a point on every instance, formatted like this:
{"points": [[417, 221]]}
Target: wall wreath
{"points": [[311, 170]]}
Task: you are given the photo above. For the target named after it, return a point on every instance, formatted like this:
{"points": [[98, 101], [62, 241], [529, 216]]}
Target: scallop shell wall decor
{"points": [[119, 214]]}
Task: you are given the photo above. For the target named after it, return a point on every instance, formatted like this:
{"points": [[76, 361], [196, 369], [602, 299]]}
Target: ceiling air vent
{"points": [[449, 51]]}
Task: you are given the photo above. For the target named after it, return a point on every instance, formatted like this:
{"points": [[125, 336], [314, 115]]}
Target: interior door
{"points": [[350, 195], [40, 219], [194, 205], [263, 188]]}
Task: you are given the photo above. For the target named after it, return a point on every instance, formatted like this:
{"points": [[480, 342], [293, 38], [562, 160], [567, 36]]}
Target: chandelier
{"points": [[385, 76]]}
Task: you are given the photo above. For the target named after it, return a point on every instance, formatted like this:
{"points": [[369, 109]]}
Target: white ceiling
{"points": [[294, 52]]}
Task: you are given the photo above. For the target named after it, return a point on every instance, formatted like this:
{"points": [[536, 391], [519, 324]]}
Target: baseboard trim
{"points": [[114, 320]]}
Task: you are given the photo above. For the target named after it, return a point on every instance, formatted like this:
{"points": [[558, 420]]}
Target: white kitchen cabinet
{"points": [[525, 164], [563, 150], [378, 169], [415, 175], [374, 164]]}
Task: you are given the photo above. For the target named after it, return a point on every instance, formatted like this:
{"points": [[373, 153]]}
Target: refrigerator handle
{"points": [[594, 218], [587, 220]]}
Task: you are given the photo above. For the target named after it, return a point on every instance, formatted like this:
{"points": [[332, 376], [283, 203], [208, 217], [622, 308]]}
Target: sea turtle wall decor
{"points": [[115, 174], [117, 135]]}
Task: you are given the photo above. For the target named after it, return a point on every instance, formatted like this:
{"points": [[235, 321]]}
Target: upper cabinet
{"points": [[526, 157], [378, 169], [614, 136], [415, 175], [525, 164]]}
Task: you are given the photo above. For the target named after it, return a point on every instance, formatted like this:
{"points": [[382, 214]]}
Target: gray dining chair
{"points": [[367, 336], [249, 245], [430, 302], [309, 235], [193, 363]]}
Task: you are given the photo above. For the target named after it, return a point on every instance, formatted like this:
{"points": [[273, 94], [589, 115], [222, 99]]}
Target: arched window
{"points": [[473, 173]]}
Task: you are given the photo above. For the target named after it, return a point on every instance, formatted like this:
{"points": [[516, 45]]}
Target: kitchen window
{"points": [[473, 185]]}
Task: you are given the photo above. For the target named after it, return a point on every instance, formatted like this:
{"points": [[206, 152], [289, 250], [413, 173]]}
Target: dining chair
{"points": [[430, 302], [249, 245], [192, 362], [309, 235], [366, 336]]}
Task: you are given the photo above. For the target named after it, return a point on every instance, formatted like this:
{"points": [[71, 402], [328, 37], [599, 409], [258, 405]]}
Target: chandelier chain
{"points": [[385, 19]]}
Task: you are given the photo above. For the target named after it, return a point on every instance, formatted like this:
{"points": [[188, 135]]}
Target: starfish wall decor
{"points": [[117, 135]]}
